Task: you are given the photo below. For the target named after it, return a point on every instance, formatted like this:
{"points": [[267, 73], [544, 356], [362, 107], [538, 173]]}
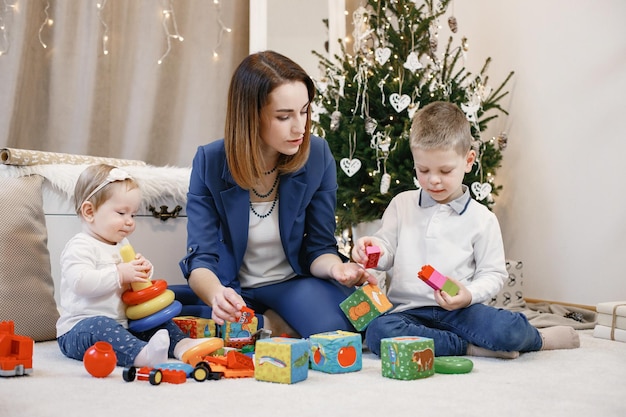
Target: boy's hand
{"points": [[461, 300], [359, 253]]}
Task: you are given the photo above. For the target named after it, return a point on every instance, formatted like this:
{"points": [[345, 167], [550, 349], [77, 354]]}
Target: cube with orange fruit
{"points": [[336, 352], [364, 305]]}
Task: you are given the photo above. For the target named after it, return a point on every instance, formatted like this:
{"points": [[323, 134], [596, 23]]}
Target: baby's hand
{"points": [[134, 271], [461, 300]]}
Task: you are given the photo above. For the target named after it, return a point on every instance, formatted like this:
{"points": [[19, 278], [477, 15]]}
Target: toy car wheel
{"points": [[155, 377], [200, 373], [129, 374]]}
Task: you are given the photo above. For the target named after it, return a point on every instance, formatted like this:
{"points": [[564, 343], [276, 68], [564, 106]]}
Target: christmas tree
{"points": [[366, 100]]}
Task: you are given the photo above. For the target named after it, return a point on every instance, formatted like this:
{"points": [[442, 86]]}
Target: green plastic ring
{"points": [[453, 365]]}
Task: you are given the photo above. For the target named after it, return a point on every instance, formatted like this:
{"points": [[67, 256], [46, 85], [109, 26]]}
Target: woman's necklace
{"points": [[269, 192], [262, 216]]}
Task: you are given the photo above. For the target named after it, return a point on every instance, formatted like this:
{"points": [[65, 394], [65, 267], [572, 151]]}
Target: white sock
{"points": [[155, 352], [559, 337], [185, 344]]}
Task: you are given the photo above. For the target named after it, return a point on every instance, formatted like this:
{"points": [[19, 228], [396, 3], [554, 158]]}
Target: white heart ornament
{"points": [[399, 102], [382, 55], [350, 166], [481, 191]]}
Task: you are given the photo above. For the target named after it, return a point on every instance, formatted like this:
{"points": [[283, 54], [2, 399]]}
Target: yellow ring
{"points": [[203, 349], [151, 306]]}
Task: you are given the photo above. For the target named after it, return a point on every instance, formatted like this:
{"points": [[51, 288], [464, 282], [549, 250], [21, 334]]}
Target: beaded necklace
{"points": [[262, 216], [269, 192]]}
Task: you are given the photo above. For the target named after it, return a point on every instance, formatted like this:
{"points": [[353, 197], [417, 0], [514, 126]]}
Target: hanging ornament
{"points": [[351, 165], [502, 140], [481, 190], [382, 55], [453, 24], [385, 182], [335, 118], [370, 125], [417, 184], [399, 102], [464, 44], [412, 62], [412, 109]]}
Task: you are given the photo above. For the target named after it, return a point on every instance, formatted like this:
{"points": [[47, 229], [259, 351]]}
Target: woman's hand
{"points": [[461, 300], [351, 274], [226, 305]]}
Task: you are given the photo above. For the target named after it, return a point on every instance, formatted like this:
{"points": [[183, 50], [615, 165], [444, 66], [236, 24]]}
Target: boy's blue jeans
{"points": [[481, 325]]}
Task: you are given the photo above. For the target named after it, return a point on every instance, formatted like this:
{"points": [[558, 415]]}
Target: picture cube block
{"points": [[336, 352], [364, 305], [196, 327], [437, 281], [409, 357], [281, 359], [238, 335]]}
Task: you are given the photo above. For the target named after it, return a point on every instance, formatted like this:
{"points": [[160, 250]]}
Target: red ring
{"points": [[133, 298]]}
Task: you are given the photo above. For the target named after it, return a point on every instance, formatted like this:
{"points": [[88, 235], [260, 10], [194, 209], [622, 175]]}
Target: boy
{"points": [[440, 225]]}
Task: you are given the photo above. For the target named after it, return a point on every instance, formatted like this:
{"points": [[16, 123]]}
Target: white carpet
{"points": [[590, 381]]}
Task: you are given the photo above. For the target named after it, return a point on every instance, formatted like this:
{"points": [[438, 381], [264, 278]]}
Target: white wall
{"points": [[561, 208]]}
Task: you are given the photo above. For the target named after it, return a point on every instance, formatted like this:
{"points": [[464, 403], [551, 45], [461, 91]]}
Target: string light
{"points": [[223, 28], [5, 8], [47, 21], [169, 19], [105, 32]]}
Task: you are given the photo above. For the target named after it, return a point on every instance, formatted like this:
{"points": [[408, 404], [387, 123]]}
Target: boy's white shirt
{"points": [[461, 240]]}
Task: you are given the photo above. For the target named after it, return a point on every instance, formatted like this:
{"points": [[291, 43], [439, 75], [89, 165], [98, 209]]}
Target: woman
{"points": [[260, 209]]}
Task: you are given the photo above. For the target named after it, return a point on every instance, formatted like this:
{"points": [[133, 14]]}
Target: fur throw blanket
{"points": [[156, 183]]}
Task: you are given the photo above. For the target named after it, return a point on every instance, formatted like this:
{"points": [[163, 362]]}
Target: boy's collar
{"points": [[459, 205]]}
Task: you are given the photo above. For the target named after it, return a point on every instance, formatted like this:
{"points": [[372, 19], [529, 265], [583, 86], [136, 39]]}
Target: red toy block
{"points": [[373, 254], [437, 281], [16, 352]]}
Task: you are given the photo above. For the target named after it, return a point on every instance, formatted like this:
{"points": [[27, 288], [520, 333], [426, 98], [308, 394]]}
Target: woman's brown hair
{"points": [[253, 81]]}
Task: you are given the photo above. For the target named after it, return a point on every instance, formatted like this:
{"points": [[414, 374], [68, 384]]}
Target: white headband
{"points": [[115, 174]]}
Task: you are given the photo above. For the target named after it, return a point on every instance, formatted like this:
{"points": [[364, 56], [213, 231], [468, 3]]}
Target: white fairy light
{"points": [[47, 21], [223, 28], [100, 4], [169, 19]]}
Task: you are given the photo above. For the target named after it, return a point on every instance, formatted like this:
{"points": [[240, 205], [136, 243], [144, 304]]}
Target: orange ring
{"points": [[132, 298], [203, 349], [151, 306]]}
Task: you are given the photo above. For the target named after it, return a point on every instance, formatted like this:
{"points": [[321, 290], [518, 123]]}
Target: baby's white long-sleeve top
{"points": [[90, 284]]}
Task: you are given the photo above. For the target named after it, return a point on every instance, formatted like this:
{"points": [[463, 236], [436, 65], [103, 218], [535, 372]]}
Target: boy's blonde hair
{"points": [[95, 176], [441, 125]]}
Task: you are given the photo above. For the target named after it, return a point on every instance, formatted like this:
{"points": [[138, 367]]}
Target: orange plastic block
{"points": [[237, 360]]}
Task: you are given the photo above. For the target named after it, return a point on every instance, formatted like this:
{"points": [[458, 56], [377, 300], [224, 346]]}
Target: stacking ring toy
{"points": [[453, 365], [133, 298], [156, 319], [203, 349], [151, 306]]}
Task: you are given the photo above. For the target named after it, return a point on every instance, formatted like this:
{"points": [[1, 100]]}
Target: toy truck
{"points": [[16, 352]]}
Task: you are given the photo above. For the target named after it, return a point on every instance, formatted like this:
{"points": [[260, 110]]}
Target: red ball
{"points": [[100, 359]]}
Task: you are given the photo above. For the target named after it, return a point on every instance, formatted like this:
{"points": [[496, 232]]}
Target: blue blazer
{"points": [[218, 213]]}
